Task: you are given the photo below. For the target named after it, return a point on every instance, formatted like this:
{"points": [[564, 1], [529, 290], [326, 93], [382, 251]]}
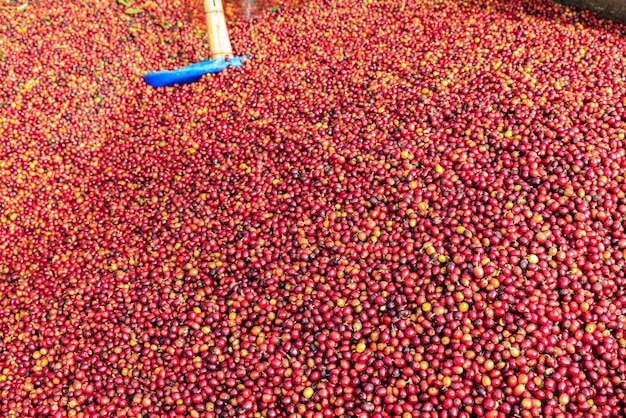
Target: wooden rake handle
{"points": [[219, 41]]}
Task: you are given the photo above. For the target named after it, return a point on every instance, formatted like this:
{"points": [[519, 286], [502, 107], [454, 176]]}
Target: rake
{"points": [[221, 52]]}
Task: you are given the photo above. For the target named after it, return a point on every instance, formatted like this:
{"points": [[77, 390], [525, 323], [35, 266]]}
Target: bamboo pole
{"points": [[219, 42]]}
